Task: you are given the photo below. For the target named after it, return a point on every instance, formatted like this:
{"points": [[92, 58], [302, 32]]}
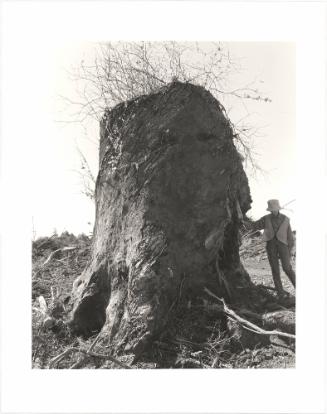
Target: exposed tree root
{"points": [[246, 324]]}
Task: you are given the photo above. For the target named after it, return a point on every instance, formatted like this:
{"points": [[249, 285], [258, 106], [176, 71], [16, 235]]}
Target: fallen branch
{"points": [[68, 351], [57, 251], [61, 356], [105, 356], [52, 254], [246, 324], [81, 360]]}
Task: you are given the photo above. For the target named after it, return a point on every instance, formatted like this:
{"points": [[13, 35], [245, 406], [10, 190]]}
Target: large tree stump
{"points": [[169, 195]]}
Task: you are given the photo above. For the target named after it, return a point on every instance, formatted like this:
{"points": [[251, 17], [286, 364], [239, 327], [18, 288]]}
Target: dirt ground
{"points": [[260, 273], [53, 280], [259, 270]]}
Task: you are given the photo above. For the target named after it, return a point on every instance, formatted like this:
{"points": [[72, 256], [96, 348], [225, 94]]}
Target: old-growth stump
{"points": [[169, 195]]}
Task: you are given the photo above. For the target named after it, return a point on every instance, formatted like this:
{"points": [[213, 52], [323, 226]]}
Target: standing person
{"points": [[279, 243]]}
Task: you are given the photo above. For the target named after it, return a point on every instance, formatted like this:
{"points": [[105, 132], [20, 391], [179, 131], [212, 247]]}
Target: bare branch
{"points": [[122, 71], [245, 323]]}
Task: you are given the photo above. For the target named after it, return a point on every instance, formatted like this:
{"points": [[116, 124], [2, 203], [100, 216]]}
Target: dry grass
{"points": [[196, 338], [52, 280]]}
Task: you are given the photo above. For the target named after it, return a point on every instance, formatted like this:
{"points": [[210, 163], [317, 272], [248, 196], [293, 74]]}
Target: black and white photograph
{"points": [[188, 262], [163, 233]]}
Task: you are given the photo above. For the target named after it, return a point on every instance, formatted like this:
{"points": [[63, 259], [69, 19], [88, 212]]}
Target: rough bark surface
{"points": [[169, 194]]}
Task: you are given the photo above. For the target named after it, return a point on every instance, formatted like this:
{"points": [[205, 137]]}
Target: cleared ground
{"points": [[259, 270], [54, 270]]}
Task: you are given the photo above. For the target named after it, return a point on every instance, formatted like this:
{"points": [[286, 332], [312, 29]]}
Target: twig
{"points": [[56, 251], [37, 346], [178, 298], [81, 360], [50, 258], [179, 341], [214, 362], [95, 342], [246, 324], [61, 356], [105, 356], [181, 287], [68, 351]]}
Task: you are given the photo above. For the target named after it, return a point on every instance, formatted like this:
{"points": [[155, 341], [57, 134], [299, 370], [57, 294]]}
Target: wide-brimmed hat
{"points": [[273, 205]]}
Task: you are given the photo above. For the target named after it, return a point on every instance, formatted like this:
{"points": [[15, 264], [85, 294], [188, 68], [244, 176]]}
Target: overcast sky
{"points": [[60, 204]]}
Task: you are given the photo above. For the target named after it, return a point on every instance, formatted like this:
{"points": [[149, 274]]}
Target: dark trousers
{"points": [[277, 250]]}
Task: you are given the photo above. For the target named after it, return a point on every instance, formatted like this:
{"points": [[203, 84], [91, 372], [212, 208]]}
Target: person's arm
{"points": [[259, 224], [255, 225]]}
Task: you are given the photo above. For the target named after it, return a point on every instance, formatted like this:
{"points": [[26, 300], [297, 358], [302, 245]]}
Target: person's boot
{"points": [[291, 276], [279, 287]]}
